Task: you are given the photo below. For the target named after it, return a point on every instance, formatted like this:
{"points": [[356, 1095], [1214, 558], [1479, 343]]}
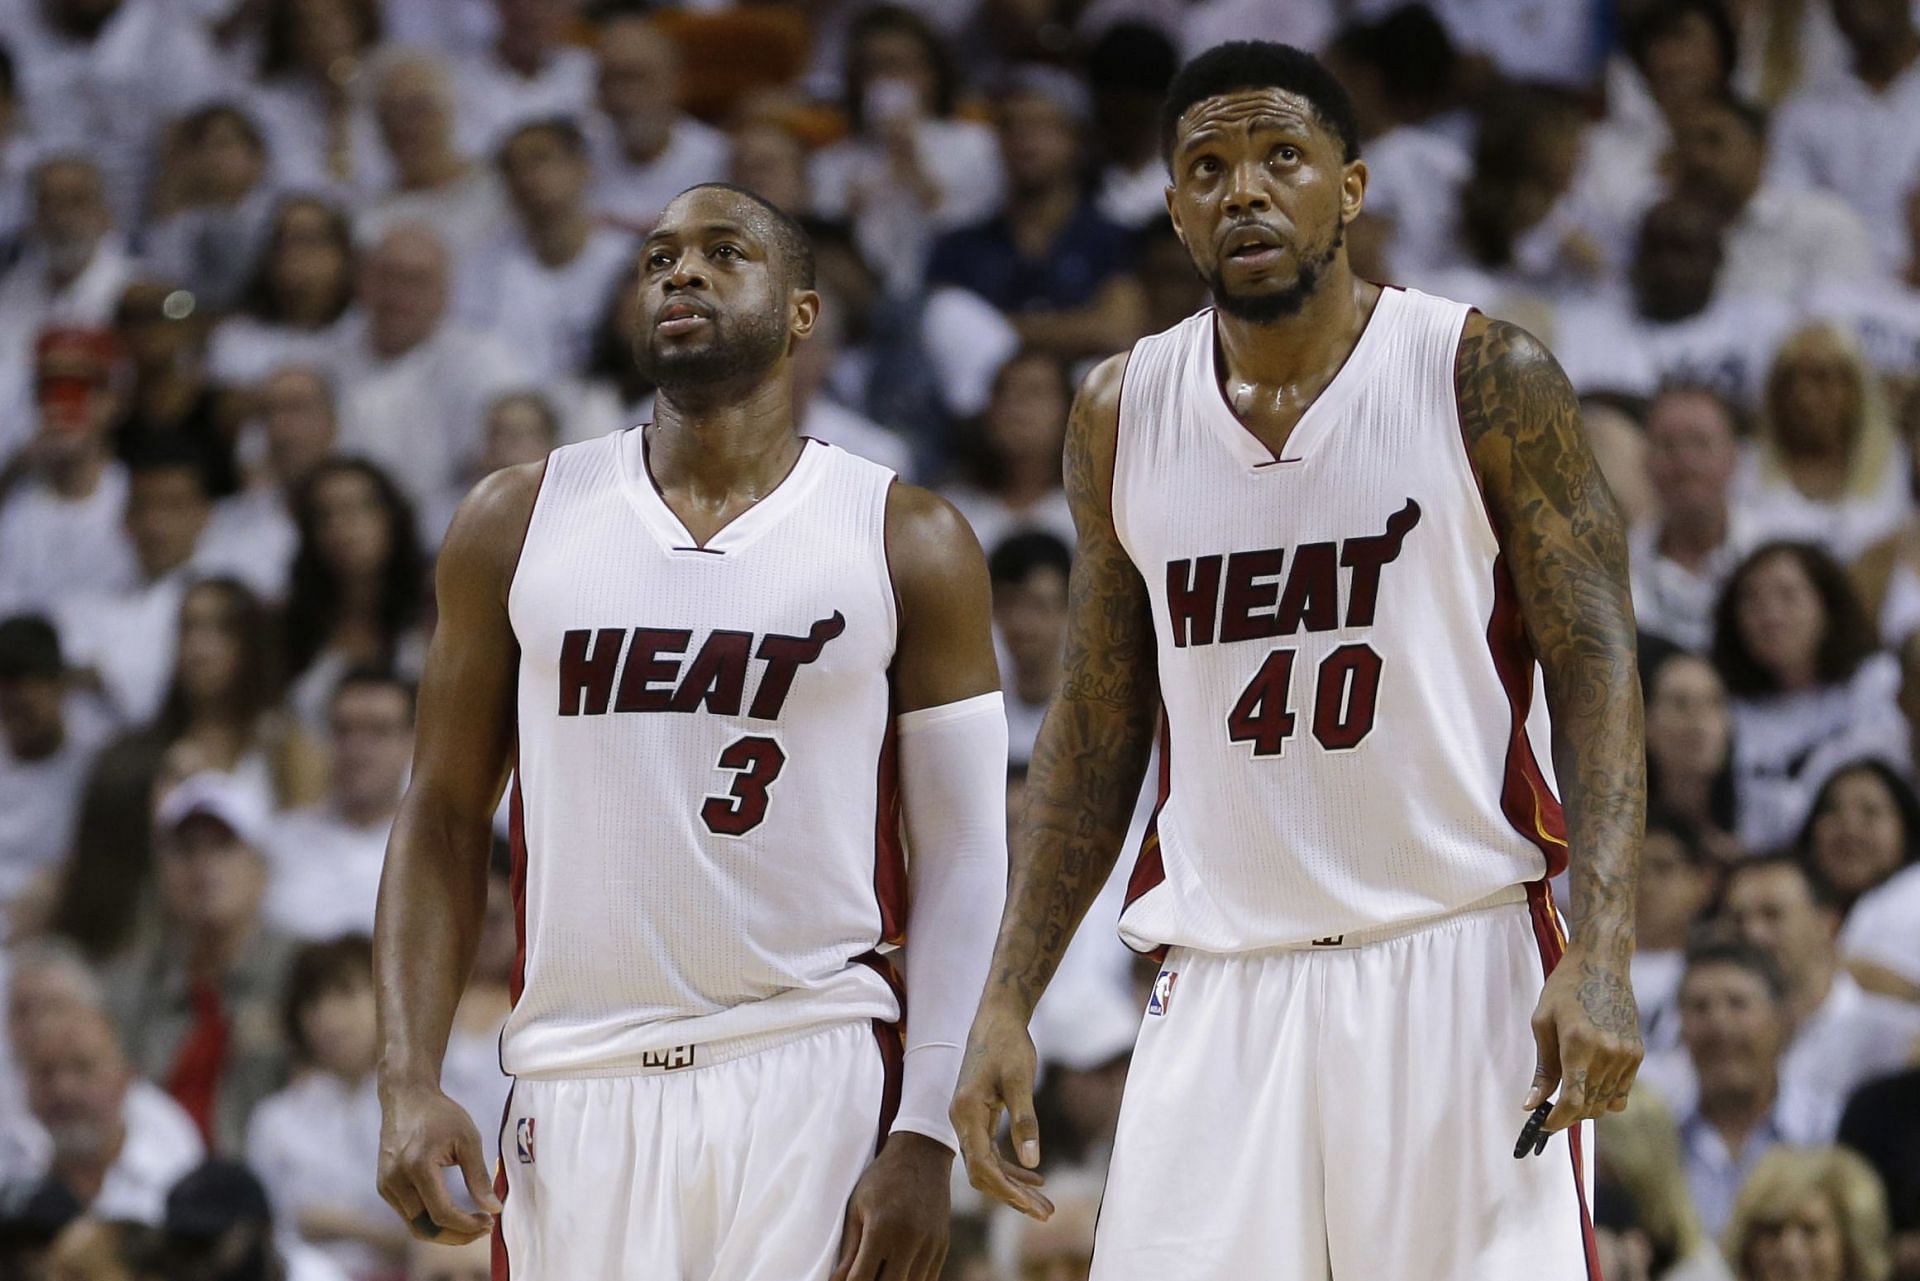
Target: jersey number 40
{"points": [[1345, 695]]}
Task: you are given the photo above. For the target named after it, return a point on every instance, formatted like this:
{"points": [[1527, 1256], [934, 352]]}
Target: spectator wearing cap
{"points": [[530, 73], [1733, 1023], [219, 1226], [251, 535], [198, 1004], [645, 149], [326, 859], [1677, 884], [1050, 259], [116, 1142], [1029, 572], [218, 170], [911, 168], [48, 738], [313, 1142], [70, 275], [60, 526], [437, 181], [1681, 558], [540, 289], [413, 385], [1853, 135]]}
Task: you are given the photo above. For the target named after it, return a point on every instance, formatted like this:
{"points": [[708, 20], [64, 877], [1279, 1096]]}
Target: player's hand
{"points": [[422, 1132], [899, 1214], [1586, 1031], [997, 1076]]}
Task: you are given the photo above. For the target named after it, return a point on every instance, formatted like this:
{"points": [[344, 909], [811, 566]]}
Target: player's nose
{"points": [[1247, 193]]}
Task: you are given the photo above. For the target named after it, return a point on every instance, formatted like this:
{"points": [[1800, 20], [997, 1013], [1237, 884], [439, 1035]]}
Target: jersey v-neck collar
{"points": [[643, 493]]}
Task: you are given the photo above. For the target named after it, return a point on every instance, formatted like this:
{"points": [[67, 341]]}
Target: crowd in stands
{"points": [[280, 279]]}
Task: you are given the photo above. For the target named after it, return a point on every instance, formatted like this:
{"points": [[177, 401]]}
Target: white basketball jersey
{"points": [[704, 822], [1348, 692]]}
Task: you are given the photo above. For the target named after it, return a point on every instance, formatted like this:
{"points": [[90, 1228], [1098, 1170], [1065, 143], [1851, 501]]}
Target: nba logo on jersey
{"points": [[1162, 995], [523, 1139]]}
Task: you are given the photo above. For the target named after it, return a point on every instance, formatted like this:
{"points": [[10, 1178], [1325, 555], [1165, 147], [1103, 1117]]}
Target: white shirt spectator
{"points": [[1304, 24], [326, 874], [162, 1144], [547, 315], [1860, 145], [210, 250], [1883, 314], [1884, 927], [1676, 602], [1605, 346], [993, 520], [1414, 181], [40, 800], [1786, 242], [29, 304], [251, 536], [312, 1145], [495, 99], [634, 194], [961, 158], [467, 214], [18, 155], [1773, 508], [838, 425], [1785, 746], [965, 339], [461, 28], [243, 350], [95, 631], [420, 414], [293, 119], [1551, 40], [51, 546]]}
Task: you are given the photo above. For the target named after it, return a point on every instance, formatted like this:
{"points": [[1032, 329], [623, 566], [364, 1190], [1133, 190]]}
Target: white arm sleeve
{"points": [[953, 793]]}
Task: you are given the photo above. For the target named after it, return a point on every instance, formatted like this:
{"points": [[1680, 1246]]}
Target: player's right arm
{"points": [[433, 890], [1081, 788]]}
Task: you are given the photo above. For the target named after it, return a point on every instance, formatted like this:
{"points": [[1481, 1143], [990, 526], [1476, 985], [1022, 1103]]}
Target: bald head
{"points": [[47, 977], [77, 1078], [403, 285], [414, 104]]}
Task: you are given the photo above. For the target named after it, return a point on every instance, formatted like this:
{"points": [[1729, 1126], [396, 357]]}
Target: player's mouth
{"points": [[681, 317], [1253, 246]]}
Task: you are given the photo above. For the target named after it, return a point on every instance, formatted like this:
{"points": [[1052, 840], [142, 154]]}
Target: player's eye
{"points": [[728, 251], [1205, 167], [659, 260], [1286, 153]]}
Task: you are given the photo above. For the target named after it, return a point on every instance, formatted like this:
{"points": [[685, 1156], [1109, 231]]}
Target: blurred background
{"points": [[280, 279]]}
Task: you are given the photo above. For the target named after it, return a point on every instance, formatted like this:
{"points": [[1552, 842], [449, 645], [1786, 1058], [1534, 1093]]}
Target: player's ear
{"points": [[1173, 212], [1353, 190], [802, 311]]}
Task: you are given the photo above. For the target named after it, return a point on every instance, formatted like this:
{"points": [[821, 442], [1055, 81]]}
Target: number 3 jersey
{"points": [[1351, 737], [702, 806]]}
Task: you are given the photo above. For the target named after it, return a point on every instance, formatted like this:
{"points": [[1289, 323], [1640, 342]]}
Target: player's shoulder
{"points": [[925, 530], [1504, 377], [491, 522]]}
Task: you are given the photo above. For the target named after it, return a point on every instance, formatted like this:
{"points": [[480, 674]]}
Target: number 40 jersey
{"points": [[1353, 737], [705, 829]]}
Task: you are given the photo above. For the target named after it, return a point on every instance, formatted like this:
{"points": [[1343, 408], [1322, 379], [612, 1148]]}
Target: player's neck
{"points": [[727, 445], [1301, 347]]}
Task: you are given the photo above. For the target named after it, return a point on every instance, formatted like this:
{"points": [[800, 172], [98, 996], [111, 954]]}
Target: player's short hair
{"points": [[1017, 557], [1260, 64], [1730, 951], [321, 969], [790, 238]]}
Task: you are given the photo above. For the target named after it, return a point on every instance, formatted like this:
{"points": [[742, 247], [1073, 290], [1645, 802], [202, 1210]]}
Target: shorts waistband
{"points": [[1364, 938], [669, 1060]]}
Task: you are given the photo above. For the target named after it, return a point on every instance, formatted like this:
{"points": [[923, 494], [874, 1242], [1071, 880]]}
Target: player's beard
{"points": [[1265, 308], [737, 349]]}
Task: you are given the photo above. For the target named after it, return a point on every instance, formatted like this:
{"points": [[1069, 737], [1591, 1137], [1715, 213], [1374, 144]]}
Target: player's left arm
{"points": [[952, 736], [1565, 545]]}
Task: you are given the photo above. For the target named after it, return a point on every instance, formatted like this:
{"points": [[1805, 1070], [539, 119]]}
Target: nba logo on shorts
{"points": [[523, 1139], [1162, 996]]}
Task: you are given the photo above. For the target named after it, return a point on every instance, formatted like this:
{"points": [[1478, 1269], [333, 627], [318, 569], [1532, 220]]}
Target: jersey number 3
{"points": [[1345, 697], [756, 761]]}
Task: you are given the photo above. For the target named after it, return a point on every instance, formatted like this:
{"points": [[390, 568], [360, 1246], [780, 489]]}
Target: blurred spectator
{"points": [[1673, 325], [313, 1143], [16, 157], [198, 1003], [1816, 1215], [1029, 573], [164, 331], [60, 528], [1059, 1249], [470, 1262], [359, 584], [1542, 40], [219, 1227], [541, 288], [1049, 259], [301, 288], [530, 73], [522, 427], [312, 54], [1810, 692], [1733, 1023], [167, 508], [252, 534], [413, 385], [1676, 53], [48, 737], [645, 149], [1678, 882], [105, 892], [1829, 468], [437, 183], [819, 415], [1883, 312], [770, 160], [327, 858], [610, 392], [210, 240], [93, 1249], [1013, 461], [115, 1142], [1864, 826], [70, 275], [1690, 751], [1173, 288], [37, 978], [1682, 557], [1854, 135], [911, 168], [1882, 1124], [1781, 241], [1637, 1154], [1128, 71]]}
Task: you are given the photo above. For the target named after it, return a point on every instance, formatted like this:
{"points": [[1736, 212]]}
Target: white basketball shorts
{"points": [[1348, 1112], [737, 1170]]}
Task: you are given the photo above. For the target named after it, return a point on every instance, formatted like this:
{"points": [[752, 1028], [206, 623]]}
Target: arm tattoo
{"points": [[1562, 538], [1092, 750]]}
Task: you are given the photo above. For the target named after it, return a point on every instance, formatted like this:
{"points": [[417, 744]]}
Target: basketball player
{"points": [[704, 650], [1327, 530]]}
